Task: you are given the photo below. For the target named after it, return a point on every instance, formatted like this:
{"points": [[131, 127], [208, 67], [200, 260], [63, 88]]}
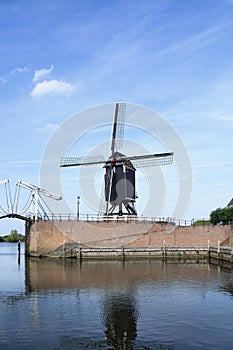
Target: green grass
{"points": [[202, 223]]}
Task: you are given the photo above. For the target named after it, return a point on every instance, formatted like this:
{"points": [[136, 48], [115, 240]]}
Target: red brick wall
{"points": [[46, 236]]}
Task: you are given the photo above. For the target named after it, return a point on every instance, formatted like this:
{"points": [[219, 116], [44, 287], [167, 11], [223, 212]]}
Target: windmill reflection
{"points": [[120, 319], [118, 297], [228, 287]]}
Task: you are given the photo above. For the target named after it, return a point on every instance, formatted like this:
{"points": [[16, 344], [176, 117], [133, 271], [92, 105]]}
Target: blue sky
{"points": [[175, 57]]}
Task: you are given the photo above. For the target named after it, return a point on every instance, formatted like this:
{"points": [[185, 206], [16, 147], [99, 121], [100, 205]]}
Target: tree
{"points": [[222, 215], [215, 216], [14, 236]]}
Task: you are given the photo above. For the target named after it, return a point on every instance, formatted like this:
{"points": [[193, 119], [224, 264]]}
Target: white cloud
{"points": [[19, 70], [47, 128], [47, 87], [42, 73], [226, 117], [3, 80]]}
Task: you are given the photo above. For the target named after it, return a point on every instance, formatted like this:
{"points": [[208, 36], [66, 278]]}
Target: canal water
{"points": [[62, 304]]}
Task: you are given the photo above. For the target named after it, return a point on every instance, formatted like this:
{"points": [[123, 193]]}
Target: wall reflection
{"points": [[50, 274]]}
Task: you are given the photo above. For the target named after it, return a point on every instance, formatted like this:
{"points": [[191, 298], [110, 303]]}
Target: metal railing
{"points": [[120, 219]]}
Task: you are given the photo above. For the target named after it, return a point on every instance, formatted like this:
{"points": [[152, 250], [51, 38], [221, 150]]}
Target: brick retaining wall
{"points": [[45, 237]]}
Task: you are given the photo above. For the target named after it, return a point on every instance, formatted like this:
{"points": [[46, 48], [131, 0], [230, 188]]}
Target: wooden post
{"points": [[79, 252], [19, 252], [19, 247], [123, 253], [164, 249], [208, 249], [218, 248]]}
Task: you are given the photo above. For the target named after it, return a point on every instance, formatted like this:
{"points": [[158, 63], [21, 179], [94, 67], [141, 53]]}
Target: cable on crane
{"points": [[46, 205], [16, 198], [7, 200], [44, 212], [12, 207], [3, 210], [27, 205]]}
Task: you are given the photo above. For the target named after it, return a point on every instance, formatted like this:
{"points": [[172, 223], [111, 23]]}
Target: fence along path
{"points": [[35, 208]]}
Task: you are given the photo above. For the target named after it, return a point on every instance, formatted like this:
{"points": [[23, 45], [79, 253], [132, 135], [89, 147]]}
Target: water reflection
{"points": [[118, 284], [120, 319], [148, 304], [119, 307], [58, 274], [227, 288]]}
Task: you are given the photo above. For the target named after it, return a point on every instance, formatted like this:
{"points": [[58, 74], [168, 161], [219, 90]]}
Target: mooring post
{"points": [[79, 252], [19, 247], [208, 249], [218, 247], [123, 253], [164, 249]]}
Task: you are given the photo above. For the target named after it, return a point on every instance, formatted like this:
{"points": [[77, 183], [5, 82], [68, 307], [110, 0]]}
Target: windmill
{"points": [[119, 195]]}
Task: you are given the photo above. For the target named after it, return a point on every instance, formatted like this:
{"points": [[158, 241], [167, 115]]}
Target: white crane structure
{"points": [[36, 193], [8, 197], [3, 182]]}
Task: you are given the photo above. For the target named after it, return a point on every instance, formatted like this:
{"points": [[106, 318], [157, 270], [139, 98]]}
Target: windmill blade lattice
{"points": [[152, 160], [102, 202], [77, 161], [118, 127]]}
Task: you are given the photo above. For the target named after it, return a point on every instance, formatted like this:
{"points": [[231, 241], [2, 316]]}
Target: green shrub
{"points": [[222, 215], [14, 236]]}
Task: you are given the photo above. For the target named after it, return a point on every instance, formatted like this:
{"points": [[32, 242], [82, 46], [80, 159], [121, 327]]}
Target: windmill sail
{"points": [[102, 202], [152, 160], [118, 127], [77, 161]]}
